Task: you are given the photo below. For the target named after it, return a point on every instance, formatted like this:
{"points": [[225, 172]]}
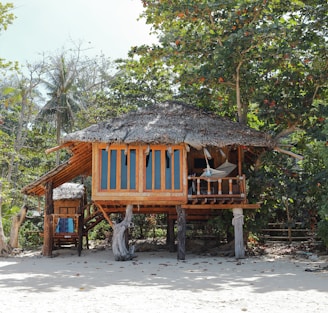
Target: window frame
{"points": [[116, 179]]}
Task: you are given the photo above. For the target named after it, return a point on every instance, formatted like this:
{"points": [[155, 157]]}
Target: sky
{"points": [[46, 26]]}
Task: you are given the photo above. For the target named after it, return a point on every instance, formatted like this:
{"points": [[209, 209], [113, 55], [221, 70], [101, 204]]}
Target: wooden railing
{"points": [[211, 189], [73, 217]]}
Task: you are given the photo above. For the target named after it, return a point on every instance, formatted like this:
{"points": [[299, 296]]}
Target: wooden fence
{"points": [[283, 231]]}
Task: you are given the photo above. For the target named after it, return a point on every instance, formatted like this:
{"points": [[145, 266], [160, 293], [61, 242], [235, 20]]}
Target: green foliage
{"points": [[6, 18], [323, 230], [29, 233], [148, 226], [6, 15], [100, 231], [322, 185], [261, 62], [228, 54]]}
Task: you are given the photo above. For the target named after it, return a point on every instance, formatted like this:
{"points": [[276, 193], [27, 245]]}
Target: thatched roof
{"points": [[68, 191], [168, 123], [171, 123]]}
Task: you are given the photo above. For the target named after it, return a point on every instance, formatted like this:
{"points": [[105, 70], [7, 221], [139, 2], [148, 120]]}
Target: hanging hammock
{"points": [[222, 171]]}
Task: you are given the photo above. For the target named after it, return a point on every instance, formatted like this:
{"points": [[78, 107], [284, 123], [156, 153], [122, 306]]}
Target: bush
{"points": [[100, 231], [29, 233]]}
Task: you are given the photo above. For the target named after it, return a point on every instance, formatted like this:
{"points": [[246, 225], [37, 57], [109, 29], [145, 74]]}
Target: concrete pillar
{"points": [[238, 222]]}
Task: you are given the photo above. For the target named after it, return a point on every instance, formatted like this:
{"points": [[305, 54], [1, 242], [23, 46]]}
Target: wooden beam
{"points": [[57, 148], [105, 215], [221, 206], [240, 156]]}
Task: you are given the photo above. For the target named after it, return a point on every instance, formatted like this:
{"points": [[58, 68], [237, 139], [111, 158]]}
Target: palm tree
{"points": [[60, 84]]}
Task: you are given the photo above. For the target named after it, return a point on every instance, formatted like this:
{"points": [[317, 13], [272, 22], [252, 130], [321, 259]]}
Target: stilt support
{"points": [[181, 233], [238, 222], [170, 238]]}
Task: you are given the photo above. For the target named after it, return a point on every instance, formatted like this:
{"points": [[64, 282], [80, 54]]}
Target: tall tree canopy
{"points": [[232, 54], [6, 18]]}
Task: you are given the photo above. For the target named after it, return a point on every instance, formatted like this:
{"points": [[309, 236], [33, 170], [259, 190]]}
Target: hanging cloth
{"points": [[222, 171]]}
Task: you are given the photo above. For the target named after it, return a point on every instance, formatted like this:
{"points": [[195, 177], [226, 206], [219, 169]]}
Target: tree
{"points": [[77, 86], [6, 18], [60, 79], [17, 221], [260, 62], [119, 244], [322, 186], [229, 53], [3, 241]]}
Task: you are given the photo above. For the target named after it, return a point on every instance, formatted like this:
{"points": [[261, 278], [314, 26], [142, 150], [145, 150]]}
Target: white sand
{"points": [[157, 282]]}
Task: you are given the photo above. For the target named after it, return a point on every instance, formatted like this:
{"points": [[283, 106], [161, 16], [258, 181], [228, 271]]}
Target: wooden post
{"points": [[181, 233], [240, 160], [238, 222], [48, 227], [170, 233]]}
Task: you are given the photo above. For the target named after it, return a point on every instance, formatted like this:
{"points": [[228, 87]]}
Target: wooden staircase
{"points": [[92, 216]]}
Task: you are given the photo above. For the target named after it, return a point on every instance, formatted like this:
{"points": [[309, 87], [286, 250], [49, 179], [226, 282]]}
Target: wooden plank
{"points": [[105, 215], [221, 206], [284, 230], [286, 237]]}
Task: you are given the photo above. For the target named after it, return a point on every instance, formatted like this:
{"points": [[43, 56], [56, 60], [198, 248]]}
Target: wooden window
{"points": [[118, 169], [104, 169], [113, 169], [163, 169], [177, 169]]}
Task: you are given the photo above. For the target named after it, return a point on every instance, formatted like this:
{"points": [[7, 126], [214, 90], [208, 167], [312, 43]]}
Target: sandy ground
{"points": [[157, 282]]}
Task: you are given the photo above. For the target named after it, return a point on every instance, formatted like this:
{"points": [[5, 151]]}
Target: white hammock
{"points": [[222, 171]]}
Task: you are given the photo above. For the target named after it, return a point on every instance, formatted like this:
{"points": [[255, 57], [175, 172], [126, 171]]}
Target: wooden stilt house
{"points": [[169, 158]]}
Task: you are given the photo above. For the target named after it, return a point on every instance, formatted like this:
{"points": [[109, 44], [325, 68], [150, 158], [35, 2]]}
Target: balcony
{"points": [[208, 190]]}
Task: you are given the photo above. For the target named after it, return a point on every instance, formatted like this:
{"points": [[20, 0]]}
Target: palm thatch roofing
{"points": [[167, 123], [172, 123]]}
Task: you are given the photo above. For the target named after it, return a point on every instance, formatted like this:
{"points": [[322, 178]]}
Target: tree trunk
{"points": [[19, 131], [181, 233], [48, 227], [120, 250], [58, 129], [4, 248], [170, 234], [241, 108], [17, 221]]}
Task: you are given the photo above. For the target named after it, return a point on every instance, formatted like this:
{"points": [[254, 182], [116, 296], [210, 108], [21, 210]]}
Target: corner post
{"points": [[181, 233], [48, 221], [238, 222]]}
